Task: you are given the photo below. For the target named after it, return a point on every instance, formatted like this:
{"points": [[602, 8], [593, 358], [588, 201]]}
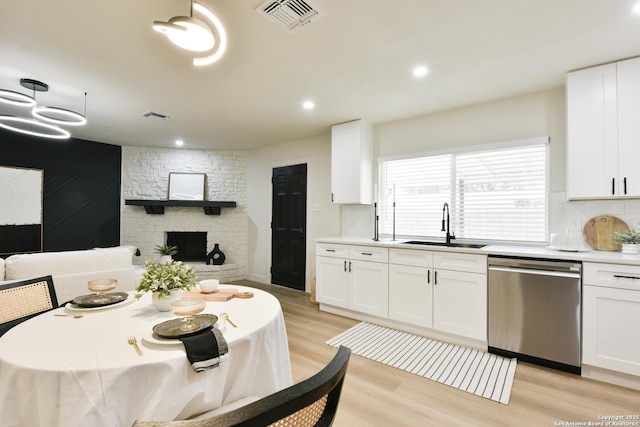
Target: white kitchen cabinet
{"points": [[411, 287], [611, 309], [352, 163], [629, 127], [332, 281], [460, 303], [353, 277], [369, 287], [602, 131], [446, 291]]}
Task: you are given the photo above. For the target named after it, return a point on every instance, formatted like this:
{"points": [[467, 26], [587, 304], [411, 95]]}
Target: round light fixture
{"points": [[179, 142], [222, 36], [308, 105], [59, 116], [33, 127], [187, 32], [16, 98]]}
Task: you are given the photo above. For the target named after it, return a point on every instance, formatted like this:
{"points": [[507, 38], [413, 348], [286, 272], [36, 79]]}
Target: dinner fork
{"points": [[134, 342]]}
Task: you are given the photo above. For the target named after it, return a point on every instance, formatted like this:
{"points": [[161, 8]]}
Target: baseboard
{"points": [[612, 377], [425, 332]]}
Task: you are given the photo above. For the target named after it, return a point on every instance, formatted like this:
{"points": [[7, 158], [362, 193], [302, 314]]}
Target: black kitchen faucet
{"points": [[449, 236]]}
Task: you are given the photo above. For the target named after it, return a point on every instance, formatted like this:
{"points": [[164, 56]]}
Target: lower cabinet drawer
{"points": [[369, 253], [332, 250], [618, 276]]}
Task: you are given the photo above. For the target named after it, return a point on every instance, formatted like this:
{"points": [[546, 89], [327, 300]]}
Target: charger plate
{"points": [[95, 300], [171, 328]]}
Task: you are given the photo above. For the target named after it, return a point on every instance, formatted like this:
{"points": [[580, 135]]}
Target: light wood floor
{"points": [[378, 395]]}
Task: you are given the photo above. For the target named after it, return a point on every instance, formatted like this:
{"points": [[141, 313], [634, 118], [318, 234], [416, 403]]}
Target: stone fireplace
{"points": [[145, 173]]}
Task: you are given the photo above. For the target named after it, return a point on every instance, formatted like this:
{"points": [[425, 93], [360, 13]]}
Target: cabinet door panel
{"points": [[591, 132], [629, 127], [460, 303], [352, 162], [332, 281], [368, 287], [411, 295], [611, 339]]}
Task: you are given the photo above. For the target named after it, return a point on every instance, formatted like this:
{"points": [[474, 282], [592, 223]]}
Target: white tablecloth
{"points": [[82, 372]]}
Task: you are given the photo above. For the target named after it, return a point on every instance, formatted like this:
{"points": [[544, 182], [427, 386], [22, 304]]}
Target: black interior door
{"points": [[288, 221]]}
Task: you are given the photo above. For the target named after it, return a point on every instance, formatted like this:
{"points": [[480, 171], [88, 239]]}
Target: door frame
{"points": [[283, 163]]}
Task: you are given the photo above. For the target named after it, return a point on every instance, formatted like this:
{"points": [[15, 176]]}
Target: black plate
{"points": [[95, 300], [171, 328]]}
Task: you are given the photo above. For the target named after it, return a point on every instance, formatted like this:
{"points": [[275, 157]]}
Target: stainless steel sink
{"points": [[450, 245]]}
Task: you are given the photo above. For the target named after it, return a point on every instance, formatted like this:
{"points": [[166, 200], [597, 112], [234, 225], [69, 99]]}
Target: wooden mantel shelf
{"points": [[156, 207]]}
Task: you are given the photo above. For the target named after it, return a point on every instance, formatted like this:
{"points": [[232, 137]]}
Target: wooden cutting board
{"points": [[221, 295], [597, 231]]}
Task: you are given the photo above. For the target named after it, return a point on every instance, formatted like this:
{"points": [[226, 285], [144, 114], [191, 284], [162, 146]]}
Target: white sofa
{"points": [[71, 270]]}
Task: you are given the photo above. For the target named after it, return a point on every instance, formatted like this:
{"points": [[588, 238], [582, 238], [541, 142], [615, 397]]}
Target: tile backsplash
{"points": [[357, 220]]}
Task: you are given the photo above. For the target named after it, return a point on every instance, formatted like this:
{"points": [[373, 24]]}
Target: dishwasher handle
{"points": [[535, 272]]}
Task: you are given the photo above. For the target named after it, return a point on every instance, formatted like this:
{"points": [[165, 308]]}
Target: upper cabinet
{"points": [[352, 163], [603, 132]]}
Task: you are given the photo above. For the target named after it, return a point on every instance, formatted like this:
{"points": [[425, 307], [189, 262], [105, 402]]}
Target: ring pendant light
{"points": [[16, 98], [34, 125]]}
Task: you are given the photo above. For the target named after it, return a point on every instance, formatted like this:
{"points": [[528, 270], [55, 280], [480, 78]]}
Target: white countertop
{"points": [[588, 255]]}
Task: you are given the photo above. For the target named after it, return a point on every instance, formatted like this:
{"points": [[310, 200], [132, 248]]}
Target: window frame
{"points": [[453, 152]]}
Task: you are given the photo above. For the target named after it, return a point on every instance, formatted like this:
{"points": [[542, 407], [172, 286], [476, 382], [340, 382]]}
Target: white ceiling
{"points": [[355, 62]]}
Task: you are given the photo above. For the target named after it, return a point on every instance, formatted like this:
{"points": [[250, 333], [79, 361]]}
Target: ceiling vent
{"points": [[156, 116], [290, 15]]}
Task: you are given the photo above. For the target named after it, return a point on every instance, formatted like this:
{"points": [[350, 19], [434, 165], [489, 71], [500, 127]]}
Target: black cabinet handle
{"points": [[345, 266], [613, 186], [624, 182], [349, 266], [620, 276], [366, 253], [330, 250], [435, 277], [428, 276]]}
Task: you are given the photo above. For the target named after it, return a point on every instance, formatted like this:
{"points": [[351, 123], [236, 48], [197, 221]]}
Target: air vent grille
{"points": [[290, 15], [156, 116]]}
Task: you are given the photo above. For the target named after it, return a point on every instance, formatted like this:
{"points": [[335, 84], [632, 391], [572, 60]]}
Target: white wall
{"points": [[145, 175], [527, 116], [323, 218]]}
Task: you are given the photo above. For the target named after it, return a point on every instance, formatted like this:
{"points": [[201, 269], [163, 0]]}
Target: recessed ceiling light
{"points": [[420, 71], [179, 142], [308, 105], [636, 9]]}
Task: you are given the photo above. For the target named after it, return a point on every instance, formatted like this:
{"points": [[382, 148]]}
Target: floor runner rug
{"points": [[474, 371]]}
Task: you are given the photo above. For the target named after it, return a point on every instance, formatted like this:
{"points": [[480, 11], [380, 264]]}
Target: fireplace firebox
{"points": [[192, 245]]}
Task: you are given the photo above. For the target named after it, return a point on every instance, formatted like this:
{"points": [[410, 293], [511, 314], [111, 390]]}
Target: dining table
{"points": [[80, 370]]}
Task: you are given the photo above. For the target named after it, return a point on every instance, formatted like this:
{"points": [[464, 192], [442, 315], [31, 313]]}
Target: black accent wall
{"points": [[81, 200]]}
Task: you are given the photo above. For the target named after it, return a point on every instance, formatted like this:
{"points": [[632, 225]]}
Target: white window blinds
{"points": [[493, 194]]}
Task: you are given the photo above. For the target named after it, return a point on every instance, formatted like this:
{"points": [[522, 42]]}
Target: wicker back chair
{"points": [[22, 300], [312, 402]]}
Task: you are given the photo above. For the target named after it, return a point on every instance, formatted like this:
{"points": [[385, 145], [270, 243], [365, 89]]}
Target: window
{"points": [[494, 193]]}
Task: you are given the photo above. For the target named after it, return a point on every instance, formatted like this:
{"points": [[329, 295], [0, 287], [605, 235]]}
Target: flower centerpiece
{"points": [[629, 239], [166, 282]]}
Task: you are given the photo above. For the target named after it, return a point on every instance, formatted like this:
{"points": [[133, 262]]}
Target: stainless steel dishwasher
{"points": [[535, 311]]}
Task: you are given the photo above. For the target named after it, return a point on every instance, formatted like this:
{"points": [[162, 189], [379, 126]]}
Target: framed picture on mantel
{"points": [[186, 186]]}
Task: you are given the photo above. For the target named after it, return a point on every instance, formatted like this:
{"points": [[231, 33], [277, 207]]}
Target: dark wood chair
{"points": [[22, 300], [312, 402]]}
